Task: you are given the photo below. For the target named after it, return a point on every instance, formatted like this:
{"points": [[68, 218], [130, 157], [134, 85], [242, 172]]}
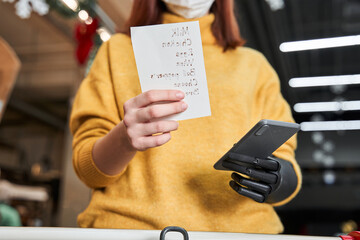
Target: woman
{"points": [[122, 149]]}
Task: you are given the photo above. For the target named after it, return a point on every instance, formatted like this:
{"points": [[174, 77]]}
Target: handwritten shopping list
{"points": [[170, 56]]}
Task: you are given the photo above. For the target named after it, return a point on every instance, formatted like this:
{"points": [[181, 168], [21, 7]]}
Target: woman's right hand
{"points": [[143, 117]]}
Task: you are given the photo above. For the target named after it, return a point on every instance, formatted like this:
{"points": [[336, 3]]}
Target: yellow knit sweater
{"points": [[176, 184]]}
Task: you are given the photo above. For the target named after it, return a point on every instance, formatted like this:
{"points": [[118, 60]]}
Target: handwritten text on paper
{"points": [[170, 56]]}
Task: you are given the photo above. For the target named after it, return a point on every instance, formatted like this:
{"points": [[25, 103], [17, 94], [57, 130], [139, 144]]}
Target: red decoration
{"points": [[84, 35], [351, 236]]}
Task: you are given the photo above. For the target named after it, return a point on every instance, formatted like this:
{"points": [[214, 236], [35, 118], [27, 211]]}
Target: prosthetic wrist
{"points": [[268, 180]]}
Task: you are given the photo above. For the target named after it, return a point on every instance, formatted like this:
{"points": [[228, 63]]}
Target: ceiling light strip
{"points": [[330, 125], [320, 43], [327, 106], [324, 81]]}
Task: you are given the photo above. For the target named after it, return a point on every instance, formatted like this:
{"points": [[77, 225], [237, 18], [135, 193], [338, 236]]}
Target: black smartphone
{"points": [[262, 140]]}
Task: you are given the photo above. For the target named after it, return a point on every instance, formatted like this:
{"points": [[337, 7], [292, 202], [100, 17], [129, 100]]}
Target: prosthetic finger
{"points": [[251, 172], [251, 184], [269, 164], [247, 193]]}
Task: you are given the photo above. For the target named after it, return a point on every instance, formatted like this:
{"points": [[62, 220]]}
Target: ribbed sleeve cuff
{"points": [[89, 172]]}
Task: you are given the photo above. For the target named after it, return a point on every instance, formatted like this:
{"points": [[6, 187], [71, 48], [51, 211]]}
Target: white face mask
{"points": [[189, 8]]}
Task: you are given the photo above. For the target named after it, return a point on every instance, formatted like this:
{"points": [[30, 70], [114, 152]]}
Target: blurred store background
{"points": [[47, 46]]}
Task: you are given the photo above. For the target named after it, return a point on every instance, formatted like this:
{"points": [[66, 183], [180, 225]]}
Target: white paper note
{"points": [[170, 56]]}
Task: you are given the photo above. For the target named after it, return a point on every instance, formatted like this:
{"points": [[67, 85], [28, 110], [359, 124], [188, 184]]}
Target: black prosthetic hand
{"points": [[268, 180]]}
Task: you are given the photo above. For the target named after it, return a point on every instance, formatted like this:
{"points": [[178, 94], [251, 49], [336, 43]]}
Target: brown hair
{"points": [[224, 27]]}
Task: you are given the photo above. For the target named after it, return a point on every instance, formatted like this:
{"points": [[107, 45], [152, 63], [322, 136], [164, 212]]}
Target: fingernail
{"points": [[180, 95], [184, 106]]}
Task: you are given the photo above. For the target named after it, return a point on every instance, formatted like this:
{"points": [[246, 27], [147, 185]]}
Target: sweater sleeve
{"points": [[273, 106], [94, 114]]}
